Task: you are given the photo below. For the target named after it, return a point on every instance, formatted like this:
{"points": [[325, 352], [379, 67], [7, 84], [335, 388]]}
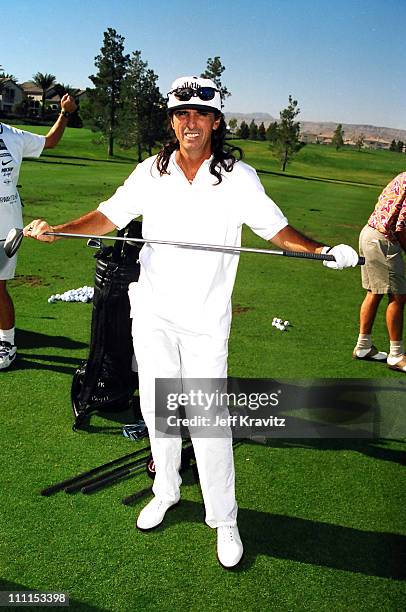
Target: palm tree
{"points": [[44, 82], [4, 76]]}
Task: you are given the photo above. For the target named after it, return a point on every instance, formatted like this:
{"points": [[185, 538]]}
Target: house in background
{"points": [[33, 98], [11, 96]]}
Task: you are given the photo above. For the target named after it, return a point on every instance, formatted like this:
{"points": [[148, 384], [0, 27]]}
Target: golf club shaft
{"points": [[108, 480], [73, 488], [65, 483], [127, 501], [206, 247]]}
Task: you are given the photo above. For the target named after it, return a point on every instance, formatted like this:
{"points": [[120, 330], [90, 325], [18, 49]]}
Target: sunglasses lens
{"points": [[206, 93], [184, 94]]}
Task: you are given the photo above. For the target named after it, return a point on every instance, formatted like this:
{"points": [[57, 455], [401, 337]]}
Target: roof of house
{"points": [[4, 80], [29, 87]]}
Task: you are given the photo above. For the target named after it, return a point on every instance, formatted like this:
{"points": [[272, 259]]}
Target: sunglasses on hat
{"points": [[184, 94]]}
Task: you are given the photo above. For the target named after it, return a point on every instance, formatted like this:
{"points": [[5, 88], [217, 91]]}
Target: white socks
{"points": [[363, 349], [7, 335], [364, 342], [397, 351]]}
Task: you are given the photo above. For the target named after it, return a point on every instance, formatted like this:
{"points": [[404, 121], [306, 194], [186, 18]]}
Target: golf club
{"points": [[94, 244], [109, 476], [85, 475], [138, 467], [15, 236]]}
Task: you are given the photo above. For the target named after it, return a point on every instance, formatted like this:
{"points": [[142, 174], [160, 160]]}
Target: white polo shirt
{"points": [[190, 289], [14, 145]]}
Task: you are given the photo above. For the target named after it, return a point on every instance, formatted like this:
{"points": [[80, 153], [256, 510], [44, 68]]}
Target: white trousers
{"points": [[166, 353]]}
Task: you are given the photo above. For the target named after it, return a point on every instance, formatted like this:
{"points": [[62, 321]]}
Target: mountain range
{"points": [[351, 130]]}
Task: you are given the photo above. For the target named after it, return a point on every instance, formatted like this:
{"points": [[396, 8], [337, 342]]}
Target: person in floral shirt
{"points": [[383, 242]]}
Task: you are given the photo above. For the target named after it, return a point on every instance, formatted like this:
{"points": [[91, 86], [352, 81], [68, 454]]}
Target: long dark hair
{"points": [[224, 154]]}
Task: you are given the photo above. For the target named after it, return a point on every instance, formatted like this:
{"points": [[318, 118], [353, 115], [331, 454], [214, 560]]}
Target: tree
{"points": [[261, 132], [253, 130], [232, 124], [44, 82], [393, 146], [287, 141], [359, 141], [272, 132], [6, 75], [214, 70], [104, 101], [338, 137], [400, 145], [144, 109], [243, 131], [61, 89]]}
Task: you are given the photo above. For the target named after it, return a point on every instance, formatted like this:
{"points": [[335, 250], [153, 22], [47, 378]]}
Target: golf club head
{"points": [[13, 241], [94, 243]]}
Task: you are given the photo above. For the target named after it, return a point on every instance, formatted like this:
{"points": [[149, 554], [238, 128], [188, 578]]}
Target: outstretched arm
{"points": [[91, 223], [290, 239]]}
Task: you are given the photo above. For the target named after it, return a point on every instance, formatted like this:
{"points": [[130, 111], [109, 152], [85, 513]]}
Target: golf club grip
{"points": [[70, 481], [320, 256], [84, 483], [103, 482]]}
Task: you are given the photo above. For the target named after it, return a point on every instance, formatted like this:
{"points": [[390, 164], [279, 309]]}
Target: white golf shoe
{"points": [[8, 353], [229, 546], [369, 354], [153, 514], [397, 363]]}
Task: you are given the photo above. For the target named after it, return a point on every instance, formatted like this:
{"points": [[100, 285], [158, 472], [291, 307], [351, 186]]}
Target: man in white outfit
{"points": [[194, 190], [14, 145]]}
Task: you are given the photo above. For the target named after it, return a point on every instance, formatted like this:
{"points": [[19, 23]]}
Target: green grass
{"points": [[321, 519]]}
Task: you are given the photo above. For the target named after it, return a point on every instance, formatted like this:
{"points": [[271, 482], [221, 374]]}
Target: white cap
{"points": [[195, 102]]}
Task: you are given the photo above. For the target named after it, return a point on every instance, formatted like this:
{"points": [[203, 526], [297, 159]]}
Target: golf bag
{"points": [[105, 382]]}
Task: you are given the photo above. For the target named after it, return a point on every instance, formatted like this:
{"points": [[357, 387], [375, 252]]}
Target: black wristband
{"points": [[65, 113]]}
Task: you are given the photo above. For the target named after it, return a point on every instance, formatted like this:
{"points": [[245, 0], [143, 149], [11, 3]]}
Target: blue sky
{"points": [[342, 61]]}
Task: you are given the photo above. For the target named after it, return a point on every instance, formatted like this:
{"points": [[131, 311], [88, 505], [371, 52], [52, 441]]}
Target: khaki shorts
{"points": [[384, 269], [7, 265]]}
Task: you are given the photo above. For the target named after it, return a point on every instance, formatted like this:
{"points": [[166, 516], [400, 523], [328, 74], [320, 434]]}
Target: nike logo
{"points": [[3, 163]]}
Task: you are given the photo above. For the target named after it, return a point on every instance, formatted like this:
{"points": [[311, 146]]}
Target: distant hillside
{"points": [[248, 117], [351, 130]]}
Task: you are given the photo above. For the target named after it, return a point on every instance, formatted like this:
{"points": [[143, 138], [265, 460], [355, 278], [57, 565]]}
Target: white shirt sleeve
{"points": [[259, 211], [126, 204], [33, 144]]}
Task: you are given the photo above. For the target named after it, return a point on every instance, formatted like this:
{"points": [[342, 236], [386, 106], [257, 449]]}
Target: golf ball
{"points": [[82, 294]]}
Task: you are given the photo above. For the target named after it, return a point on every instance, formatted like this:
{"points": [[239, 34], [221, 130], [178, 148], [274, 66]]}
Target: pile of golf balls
{"points": [[83, 294], [280, 324]]}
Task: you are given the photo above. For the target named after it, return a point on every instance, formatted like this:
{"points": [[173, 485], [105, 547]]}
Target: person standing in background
{"points": [[382, 243], [14, 145]]}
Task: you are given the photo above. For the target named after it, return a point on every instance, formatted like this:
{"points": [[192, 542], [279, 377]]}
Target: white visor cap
{"points": [[200, 90]]}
